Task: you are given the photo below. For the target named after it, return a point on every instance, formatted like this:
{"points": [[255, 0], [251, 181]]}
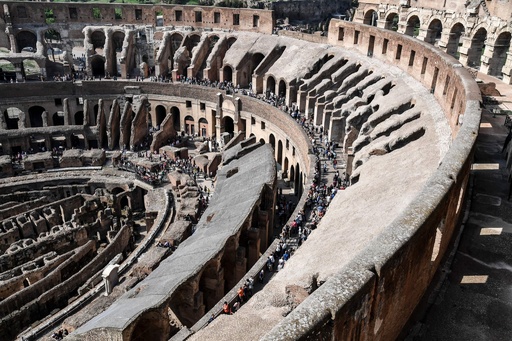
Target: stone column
{"points": [[107, 51], [337, 131], [487, 58], [465, 51], [218, 118], [44, 117], [65, 108], [20, 72], [507, 69]]}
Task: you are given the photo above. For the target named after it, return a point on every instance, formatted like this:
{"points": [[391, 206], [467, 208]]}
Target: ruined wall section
{"points": [[240, 19]]}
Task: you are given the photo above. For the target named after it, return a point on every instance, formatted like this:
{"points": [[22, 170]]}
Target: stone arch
{"points": [[35, 115], [227, 73], [292, 174], [98, 66], [413, 26], [160, 113], [392, 20], [98, 40], [203, 127], [370, 17], [152, 326], [79, 118], [175, 116], [452, 47], [189, 125], [58, 118], [434, 31], [262, 141], [12, 117], [255, 61], [282, 88], [117, 190], [272, 141], [285, 168], [229, 124], [26, 39], [499, 55], [51, 36], [477, 47], [271, 84], [279, 152]]}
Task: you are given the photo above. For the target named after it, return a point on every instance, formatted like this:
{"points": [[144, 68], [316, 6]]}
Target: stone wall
{"points": [[374, 296]]}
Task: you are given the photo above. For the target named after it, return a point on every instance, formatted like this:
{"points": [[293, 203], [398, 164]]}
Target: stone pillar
{"points": [[107, 52], [466, 52], [20, 72], [44, 117], [110, 277], [86, 112], [3, 124], [218, 118], [238, 105], [487, 57], [254, 246], [507, 69], [337, 131], [318, 117], [65, 108]]}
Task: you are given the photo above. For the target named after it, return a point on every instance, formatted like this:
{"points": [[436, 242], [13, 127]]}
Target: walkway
{"points": [[474, 302]]}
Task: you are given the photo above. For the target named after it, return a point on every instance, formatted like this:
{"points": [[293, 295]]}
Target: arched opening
{"points": [[12, 117], [189, 125], [292, 175], [228, 73], [272, 141], [477, 48], [26, 41], [271, 85], [203, 127], [413, 26], [262, 141], [117, 190], [53, 41], [499, 56], [58, 118], [98, 66], [31, 69], [160, 115], [175, 116], [282, 88], [285, 168], [95, 111], [124, 202], [117, 48], [370, 18], [52, 36], [152, 326], [279, 152], [79, 118], [229, 125], [7, 71], [256, 60], [435, 29], [98, 41], [452, 48], [392, 22], [35, 115]]}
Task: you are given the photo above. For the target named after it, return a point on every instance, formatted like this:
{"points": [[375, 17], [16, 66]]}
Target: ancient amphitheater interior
{"points": [[145, 149]]}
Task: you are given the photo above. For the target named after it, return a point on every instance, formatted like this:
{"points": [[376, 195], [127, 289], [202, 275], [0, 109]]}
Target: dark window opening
{"points": [[341, 33], [58, 102], [398, 51], [424, 66], [118, 13], [411, 57], [199, 16], [202, 106], [385, 46], [216, 17], [178, 15], [138, 14], [73, 13], [255, 21], [356, 37], [96, 13], [236, 19], [188, 104]]}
